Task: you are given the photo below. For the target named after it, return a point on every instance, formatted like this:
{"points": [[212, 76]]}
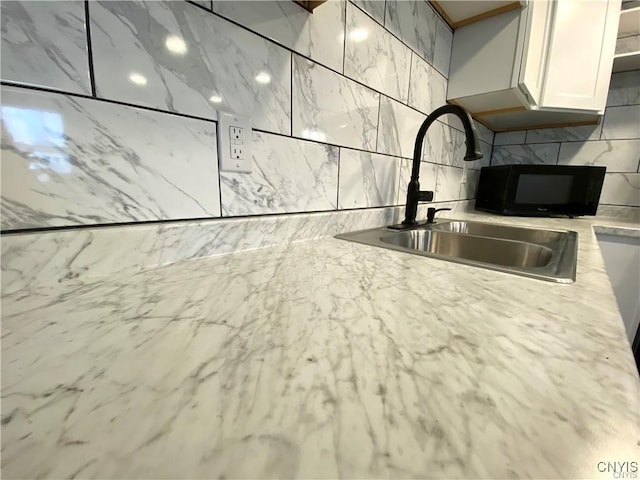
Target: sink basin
{"points": [[477, 249], [538, 253], [504, 232]]}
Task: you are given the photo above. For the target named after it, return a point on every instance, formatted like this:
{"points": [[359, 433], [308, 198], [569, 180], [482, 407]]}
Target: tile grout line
{"points": [[92, 75], [344, 39], [338, 185]]}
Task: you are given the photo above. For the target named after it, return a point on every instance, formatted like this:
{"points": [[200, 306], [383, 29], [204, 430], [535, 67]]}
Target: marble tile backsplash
{"points": [[118, 124], [44, 44], [614, 143], [70, 161], [171, 56]]}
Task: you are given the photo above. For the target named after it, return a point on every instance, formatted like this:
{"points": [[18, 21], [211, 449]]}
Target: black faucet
{"points": [[414, 195]]}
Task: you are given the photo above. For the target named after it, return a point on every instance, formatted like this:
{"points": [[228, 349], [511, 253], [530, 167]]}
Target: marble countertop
{"points": [[321, 359]]}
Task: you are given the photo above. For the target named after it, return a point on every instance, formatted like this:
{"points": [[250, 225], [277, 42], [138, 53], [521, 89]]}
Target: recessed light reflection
{"points": [[263, 77], [358, 34], [138, 79], [215, 99], [175, 45], [313, 134]]}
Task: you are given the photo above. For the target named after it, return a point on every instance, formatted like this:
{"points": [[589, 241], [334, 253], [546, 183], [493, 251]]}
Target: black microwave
{"points": [[540, 190]]}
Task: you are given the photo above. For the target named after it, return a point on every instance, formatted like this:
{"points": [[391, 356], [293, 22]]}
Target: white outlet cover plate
{"points": [[234, 151]]}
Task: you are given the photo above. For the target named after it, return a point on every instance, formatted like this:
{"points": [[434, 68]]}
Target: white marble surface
{"points": [[469, 186], [204, 3], [623, 212], [36, 259], [351, 367], [449, 184], [427, 88], [414, 22], [618, 231], [621, 189], [621, 123], [445, 145], [510, 138], [543, 153], [397, 128], [45, 44], [444, 42], [485, 161], [318, 35], [289, 175], [375, 57], [428, 178], [616, 155], [375, 8], [624, 89], [564, 134], [367, 179], [174, 56], [330, 108], [484, 133], [75, 161]]}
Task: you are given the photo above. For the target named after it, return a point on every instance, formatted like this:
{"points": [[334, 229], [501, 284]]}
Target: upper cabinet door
{"points": [[581, 48]]}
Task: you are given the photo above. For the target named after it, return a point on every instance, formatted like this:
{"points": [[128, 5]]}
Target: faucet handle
{"points": [[431, 213], [425, 196]]}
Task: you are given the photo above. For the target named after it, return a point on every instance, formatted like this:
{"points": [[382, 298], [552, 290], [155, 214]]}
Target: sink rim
{"points": [[560, 269]]}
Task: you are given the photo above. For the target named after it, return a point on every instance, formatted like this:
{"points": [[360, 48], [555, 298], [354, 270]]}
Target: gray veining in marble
{"points": [[375, 57], [375, 8], [318, 35], [444, 145], [330, 108], [621, 122], [75, 161], [618, 231], [485, 161], [469, 186], [45, 44], [40, 259], [174, 56], [37, 259], [428, 178], [510, 138], [628, 44], [398, 127], [616, 155], [450, 183], [444, 42], [621, 189], [205, 3], [543, 153], [289, 175], [619, 212], [624, 89], [427, 87], [367, 179], [484, 133], [351, 367], [414, 22], [564, 134]]}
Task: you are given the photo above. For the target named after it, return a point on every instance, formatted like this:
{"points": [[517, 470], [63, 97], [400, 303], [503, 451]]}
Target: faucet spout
{"points": [[473, 153]]}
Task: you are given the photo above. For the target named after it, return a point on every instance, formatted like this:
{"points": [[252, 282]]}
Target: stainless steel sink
{"points": [[544, 254], [504, 232], [477, 249]]}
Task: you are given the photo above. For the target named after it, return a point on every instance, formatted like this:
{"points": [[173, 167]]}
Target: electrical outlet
{"points": [[234, 143]]}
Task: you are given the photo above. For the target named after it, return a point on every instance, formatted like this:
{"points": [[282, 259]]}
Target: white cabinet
{"points": [[551, 59]]}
